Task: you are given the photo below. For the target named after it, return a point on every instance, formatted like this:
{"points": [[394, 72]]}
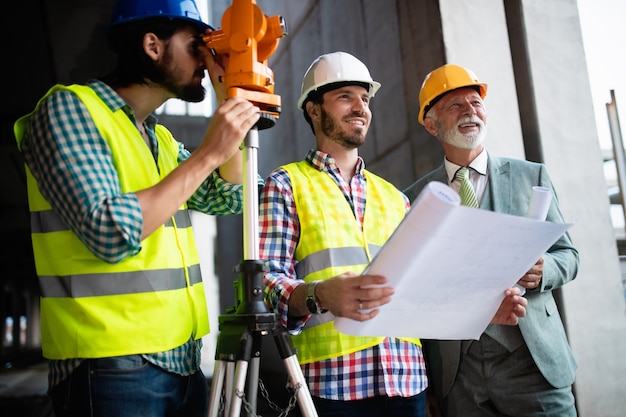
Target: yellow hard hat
{"points": [[335, 68], [444, 79]]}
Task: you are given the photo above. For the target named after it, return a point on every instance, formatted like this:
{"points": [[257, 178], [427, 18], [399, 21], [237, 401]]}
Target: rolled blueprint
{"points": [[539, 204], [538, 207]]}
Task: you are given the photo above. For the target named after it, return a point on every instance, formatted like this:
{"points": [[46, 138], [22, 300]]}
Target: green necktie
{"points": [[468, 196]]}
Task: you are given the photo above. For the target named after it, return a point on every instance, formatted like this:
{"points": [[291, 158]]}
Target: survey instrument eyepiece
{"points": [[248, 37]]}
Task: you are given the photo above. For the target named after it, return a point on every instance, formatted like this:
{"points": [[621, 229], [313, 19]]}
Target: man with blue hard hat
{"points": [[123, 306]]}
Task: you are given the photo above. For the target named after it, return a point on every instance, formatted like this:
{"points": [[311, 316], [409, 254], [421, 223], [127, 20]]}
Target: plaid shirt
{"points": [[75, 172], [392, 368]]}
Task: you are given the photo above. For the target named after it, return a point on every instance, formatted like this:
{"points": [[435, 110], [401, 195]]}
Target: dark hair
{"points": [[126, 41], [315, 97]]}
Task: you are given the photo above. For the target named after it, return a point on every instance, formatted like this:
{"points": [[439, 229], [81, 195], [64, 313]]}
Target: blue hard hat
{"points": [[126, 11]]}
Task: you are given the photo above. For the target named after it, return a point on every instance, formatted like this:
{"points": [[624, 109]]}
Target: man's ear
{"points": [[312, 109], [152, 45], [430, 125]]}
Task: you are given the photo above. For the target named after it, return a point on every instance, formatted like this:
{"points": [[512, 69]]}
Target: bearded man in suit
{"points": [[524, 370]]}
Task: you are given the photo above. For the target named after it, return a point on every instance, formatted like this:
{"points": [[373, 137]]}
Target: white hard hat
{"points": [[336, 67]]}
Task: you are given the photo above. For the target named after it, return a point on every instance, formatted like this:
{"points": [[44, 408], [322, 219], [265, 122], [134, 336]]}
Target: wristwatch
{"points": [[311, 301]]}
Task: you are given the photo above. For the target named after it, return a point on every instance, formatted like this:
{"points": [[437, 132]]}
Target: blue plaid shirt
{"points": [[75, 172], [392, 368]]}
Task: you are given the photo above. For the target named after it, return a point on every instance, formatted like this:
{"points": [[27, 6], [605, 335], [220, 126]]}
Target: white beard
{"points": [[465, 141]]}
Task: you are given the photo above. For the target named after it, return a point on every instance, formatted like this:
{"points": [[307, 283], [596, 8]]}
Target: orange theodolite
{"points": [[248, 37]]}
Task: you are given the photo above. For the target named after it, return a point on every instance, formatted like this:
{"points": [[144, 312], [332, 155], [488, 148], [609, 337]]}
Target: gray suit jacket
{"points": [[508, 191]]}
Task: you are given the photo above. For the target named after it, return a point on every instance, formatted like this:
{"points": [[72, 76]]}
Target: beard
{"points": [[169, 76], [457, 139], [331, 129]]}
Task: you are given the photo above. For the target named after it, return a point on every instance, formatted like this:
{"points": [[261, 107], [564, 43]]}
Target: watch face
{"points": [[310, 298], [311, 305]]}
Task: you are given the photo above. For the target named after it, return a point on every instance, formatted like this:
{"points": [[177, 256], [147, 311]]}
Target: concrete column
{"points": [[556, 83], [475, 36], [594, 303]]}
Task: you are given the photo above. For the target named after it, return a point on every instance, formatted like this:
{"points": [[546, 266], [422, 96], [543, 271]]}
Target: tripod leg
{"points": [[217, 385], [236, 399], [229, 385], [252, 387], [234, 346], [296, 378], [221, 388]]}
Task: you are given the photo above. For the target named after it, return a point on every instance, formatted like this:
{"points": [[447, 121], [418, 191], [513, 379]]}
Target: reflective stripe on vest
{"points": [[319, 319], [49, 221], [334, 257], [95, 285], [332, 243], [153, 301]]}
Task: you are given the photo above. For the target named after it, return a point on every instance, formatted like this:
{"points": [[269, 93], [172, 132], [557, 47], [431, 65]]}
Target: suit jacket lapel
{"points": [[499, 186], [441, 175]]}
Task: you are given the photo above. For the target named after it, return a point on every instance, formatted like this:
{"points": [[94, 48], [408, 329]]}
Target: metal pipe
{"points": [[618, 148]]}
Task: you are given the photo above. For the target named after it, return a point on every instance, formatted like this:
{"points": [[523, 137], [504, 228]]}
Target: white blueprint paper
{"points": [[449, 265]]}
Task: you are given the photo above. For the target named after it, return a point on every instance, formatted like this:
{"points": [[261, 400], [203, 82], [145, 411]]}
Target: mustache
{"points": [[471, 119], [357, 113]]}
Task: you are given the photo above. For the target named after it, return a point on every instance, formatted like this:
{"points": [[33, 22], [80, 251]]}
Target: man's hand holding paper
{"points": [[511, 309]]}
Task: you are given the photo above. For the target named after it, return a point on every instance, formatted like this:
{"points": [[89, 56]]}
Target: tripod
{"points": [[239, 342]]}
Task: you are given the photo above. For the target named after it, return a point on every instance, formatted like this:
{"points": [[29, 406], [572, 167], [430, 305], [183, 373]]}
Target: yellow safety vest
{"points": [[151, 302], [332, 243]]}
